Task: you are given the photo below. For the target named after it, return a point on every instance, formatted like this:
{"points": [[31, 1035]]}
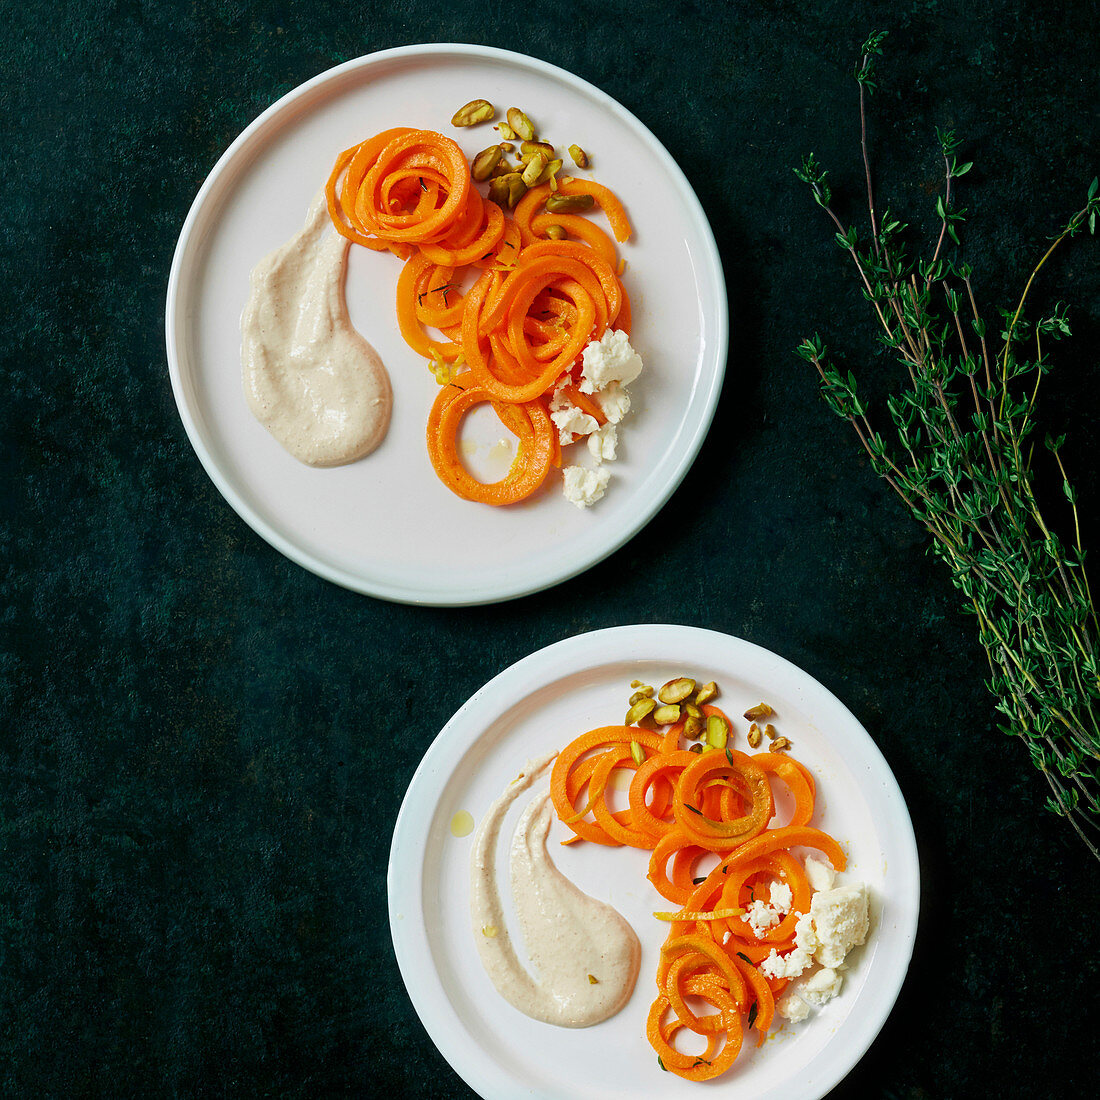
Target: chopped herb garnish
{"points": [[729, 757], [698, 881], [436, 290], [752, 1013], [699, 1062], [660, 1062], [742, 955], [693, 809]]}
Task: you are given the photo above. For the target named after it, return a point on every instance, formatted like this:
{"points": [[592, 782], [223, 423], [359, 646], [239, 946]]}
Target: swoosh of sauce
{"points": [[309, 377], [570, 937]]}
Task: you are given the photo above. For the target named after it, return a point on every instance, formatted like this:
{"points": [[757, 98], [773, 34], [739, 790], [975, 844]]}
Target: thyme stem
{"points": [[966, 474]]}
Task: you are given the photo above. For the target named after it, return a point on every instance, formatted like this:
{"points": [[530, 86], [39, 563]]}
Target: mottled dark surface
{"points": [[193, 835]]}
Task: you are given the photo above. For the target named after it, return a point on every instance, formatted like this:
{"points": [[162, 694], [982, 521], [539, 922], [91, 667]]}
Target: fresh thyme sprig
{"points": [[960, 459]]}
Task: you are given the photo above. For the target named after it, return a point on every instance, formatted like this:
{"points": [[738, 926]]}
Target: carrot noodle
{"points": [[685, 806], [515, 309]]}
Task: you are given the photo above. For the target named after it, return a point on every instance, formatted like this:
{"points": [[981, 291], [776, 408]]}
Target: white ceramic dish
{"points": [[385, 525], [538, 705]]}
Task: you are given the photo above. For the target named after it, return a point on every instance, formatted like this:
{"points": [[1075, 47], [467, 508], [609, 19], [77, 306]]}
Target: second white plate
{"points": [[385, 525], [539, 705]]}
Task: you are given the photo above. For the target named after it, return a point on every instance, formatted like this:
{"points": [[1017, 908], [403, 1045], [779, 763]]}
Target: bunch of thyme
{"points": [[960, 459]]}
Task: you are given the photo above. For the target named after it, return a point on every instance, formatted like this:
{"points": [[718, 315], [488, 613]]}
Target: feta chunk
{"points": [[781, 897], [584, 487], [570, 421], [798, 960], [567, 418], [792, 1007], [821, 876], [609, 359], [603, 442], [840, 919], [760, 917], [822, 986], [614, 402]]}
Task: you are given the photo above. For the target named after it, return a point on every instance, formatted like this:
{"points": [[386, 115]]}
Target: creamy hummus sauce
{"points": [[584, 954], [309, 377]]}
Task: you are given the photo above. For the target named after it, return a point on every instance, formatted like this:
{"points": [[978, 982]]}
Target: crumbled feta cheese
{"points": [[840, 922], [608, 365], [781, 897], [786, 966], [570, 421], [584, 487], [614, 402], [792, 1007], [821, 876], [805, 936], [602, 443], [609, 359], [567, 418], [837, 922], [798, 960], [560, 398], [760, 917], [821, 987]]}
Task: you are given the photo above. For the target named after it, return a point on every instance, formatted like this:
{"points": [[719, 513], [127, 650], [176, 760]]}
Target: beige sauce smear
{"points": [[309, 377], [571, 938]]}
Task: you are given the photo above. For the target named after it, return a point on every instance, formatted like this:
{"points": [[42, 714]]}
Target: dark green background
{"points": [[197, 767]]}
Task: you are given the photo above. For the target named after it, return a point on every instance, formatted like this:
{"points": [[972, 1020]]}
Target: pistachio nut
{"points": [[557, 233], [639, 711], [761, 710], [676, 691], [569, 204], [534, 169], [550, 171], [529, 148], [718, 731], [477, 110], [520, 124], [485, 162], [507, 190], [667, 714], [580, 157], [516, 188], [707, 692]]}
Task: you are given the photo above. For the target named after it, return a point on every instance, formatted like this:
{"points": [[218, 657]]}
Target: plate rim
{"points": [[405, 879], [504, 588]]}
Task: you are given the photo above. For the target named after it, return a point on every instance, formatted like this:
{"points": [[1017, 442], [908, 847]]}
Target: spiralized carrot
{"points": [[515, 334], [687, 807]]}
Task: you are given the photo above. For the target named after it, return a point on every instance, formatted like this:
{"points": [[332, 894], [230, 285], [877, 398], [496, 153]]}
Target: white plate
{"points": [[385, 525], [538, 705]]}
